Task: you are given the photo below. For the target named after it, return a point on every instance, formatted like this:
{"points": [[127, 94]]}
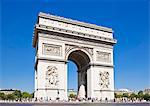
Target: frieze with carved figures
{"points": [[103, 56], [50, 49]]}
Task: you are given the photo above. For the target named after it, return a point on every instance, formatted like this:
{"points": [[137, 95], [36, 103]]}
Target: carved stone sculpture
{"points": [[103, 56], [104, 80], [70, 47], [51, 76], [50, 49]]}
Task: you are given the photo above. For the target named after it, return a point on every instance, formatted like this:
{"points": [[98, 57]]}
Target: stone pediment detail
{"points": [[70, 47]]}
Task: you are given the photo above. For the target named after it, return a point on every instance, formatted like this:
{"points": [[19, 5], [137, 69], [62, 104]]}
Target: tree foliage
{"points": [[118, 95], [146, 97], [125, 95], [19, 95], [16, 95], [72, 95], [139, 95], [10, 97], [133, 95], [26, 95], [2, 96]]}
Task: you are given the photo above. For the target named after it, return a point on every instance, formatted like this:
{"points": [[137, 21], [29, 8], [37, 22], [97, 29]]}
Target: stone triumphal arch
{"points": [[57, 40]]}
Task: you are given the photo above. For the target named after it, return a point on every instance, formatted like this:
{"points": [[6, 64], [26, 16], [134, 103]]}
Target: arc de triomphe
{"points": [[57, 40]]}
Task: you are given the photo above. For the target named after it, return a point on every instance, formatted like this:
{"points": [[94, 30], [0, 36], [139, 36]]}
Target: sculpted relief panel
{"points": [[51, 76], [104, 80], [103, 56], [70, 47], [50, 49]]}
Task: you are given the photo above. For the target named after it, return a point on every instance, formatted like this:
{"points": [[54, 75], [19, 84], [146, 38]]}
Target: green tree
{"points": [[146, 97], [140, 94], [2, 96], [133, 95], [72, 96], [125, 95], [118, 95], [17, 94], [10, 97], [26, 95]]}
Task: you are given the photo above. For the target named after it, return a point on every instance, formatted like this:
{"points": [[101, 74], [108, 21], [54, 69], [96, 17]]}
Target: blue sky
{"points": [[128, 18]]}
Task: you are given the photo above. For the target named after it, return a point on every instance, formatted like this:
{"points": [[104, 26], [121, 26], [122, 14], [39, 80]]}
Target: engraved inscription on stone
{"points": [[103, 56], [51, 76], [50, 49], [104, 80]]}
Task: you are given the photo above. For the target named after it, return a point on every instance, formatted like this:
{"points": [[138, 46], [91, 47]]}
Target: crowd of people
{"points": [[76, 100]]}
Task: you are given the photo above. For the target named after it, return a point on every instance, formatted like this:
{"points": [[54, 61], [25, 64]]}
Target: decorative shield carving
{"points": [[51, 76], [104, 80]]}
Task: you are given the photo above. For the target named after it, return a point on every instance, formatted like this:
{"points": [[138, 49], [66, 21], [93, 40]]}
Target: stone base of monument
{"points": [[81, 92]]}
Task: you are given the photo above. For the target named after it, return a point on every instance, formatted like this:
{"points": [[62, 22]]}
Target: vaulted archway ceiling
{"points": [[80, 58]]}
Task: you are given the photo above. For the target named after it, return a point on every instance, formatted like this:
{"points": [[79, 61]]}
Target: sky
{"points": [[128, 18]]}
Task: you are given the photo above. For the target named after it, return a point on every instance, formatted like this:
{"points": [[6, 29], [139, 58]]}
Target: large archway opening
{"points": [[82, 60], [72, 79]]}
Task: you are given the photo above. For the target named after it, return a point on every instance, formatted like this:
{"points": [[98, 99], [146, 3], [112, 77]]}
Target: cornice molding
{"points": [[68, 32], [56, 37], [75, 22], [101, 65]]}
